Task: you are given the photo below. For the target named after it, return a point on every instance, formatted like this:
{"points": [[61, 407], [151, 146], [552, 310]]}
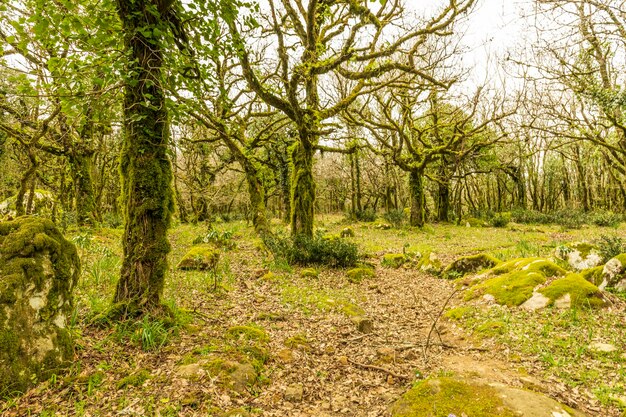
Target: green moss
{"points": [[470, 264], [135, 379], [201, 257], [298, 341], [247, 333], [584, 248], [394, 260], [593, 275], [544, 266], [582, 292], [492, 328], [430, 263], [331, 236], [459, 313], [347, 232], [309, 273], [443, 397], [357, 275], [510, 289], [472, 222]]}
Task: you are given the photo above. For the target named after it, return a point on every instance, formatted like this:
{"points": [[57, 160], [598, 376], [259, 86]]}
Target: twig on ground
{"points": [[378, 368], [427, 344]]}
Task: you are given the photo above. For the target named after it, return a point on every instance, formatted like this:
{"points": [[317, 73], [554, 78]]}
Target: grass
{"points": [[207, 307]]}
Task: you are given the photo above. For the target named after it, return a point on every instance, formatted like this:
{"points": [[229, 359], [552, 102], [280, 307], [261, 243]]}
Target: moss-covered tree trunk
{"points": [[443, 201], [302, 187], [416, 191], [256, 189], [81, 164], [145, 167]]}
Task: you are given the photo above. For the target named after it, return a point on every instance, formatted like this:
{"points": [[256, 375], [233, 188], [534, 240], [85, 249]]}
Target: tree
{"points": [[346, 39], [145, 165]]}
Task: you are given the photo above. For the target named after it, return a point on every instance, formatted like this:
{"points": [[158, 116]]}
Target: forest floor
{"points": [[300, 332]]}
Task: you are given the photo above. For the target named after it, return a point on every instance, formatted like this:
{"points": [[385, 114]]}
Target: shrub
{"points": [[500, 220], [605, 218], [395, 217], [303, 250], [366, 215], [610, 246]]}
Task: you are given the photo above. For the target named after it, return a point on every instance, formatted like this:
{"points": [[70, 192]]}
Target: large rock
{"points": [[473, 398], [579, 255], [614, 273], [38, 272], [470, 264], [201, 258]]}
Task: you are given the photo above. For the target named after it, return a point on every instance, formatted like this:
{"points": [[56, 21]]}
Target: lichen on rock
{"points": [[38, 272]]}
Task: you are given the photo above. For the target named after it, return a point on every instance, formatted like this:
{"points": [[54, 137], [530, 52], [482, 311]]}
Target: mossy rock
{"points": [[472, 222], [614, 273], [429, 262], [247, 333], [515, 280], [39, 270], [593, 275], [394, 260], [309, 273], [236, 376], [331, 236], [470, 264], [442, 397], [200, 258], [382, 226], [535, 264], [510, 289], [347, 232], [581, 292], [356, 275]]}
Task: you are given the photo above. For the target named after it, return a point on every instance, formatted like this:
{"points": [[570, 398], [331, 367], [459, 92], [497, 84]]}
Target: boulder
{"points": [[579, 255], [430, 263], [356, 275], [200, 257], [38, 272], [467, 397], [470, 264], [614, 273], [347, 232], [394, 260]]}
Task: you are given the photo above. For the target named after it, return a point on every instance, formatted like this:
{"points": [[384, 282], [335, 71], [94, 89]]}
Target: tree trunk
{"points": [[256, 190], [302, 188], [83, 188], [416, 190], [145, 167], [443, 200]]}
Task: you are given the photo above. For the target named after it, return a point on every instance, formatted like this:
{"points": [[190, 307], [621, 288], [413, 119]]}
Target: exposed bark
{"points": [[416, 190]]}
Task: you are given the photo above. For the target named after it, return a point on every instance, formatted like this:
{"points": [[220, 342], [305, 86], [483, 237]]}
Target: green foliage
{"points": [[366, 215], [610, 246], [148, 333], [304, 250], [500, 220], [396, 217], [571, 219], [605, 218], [134, 380], [223, 239]]}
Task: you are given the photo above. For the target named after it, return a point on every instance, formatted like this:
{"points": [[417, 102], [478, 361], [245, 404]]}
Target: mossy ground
{"points": [[284, 305], [581, 292]]}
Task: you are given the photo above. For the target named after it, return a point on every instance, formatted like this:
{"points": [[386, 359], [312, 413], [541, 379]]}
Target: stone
{"points": [[39, 270], [189, 371], [563, 302], [393, 260], [459, 397], [602, 347], [200, 258], [356, 275], [285, 355], [347, 232], [536, 302], [294, 393], [243, 376], [469, 264], [363, 324], [614, 273], [579, 255]]}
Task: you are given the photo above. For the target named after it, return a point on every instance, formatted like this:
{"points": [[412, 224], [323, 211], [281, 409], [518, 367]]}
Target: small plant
{"points": [[500, 220], [304, 250], [610, 246], [220, 239]]}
